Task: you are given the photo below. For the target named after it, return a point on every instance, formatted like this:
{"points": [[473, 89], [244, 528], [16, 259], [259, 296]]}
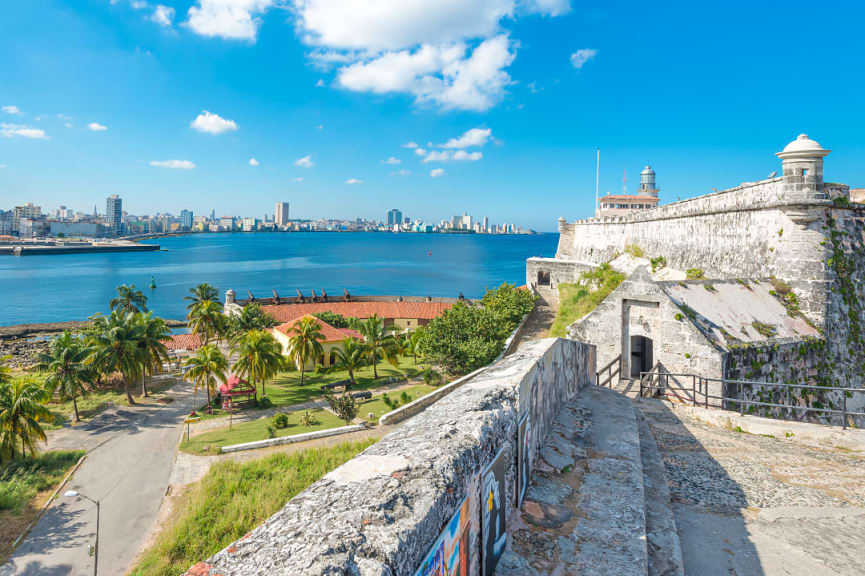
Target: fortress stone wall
{"points": [[380, 513]]}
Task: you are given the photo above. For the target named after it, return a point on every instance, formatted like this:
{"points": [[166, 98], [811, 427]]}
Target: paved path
{"points": [[541, 319], [748, 504], [132, 452]]}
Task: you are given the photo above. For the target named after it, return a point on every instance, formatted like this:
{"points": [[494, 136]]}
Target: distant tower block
{"points": [[647, 183], [802, 164]]}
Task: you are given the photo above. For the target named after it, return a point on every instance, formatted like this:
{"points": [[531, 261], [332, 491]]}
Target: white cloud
{"points": [[212, 123], [320, 83], [305, 162], [353, 181], [580, 57], [449, 156], [449, 53], [298, 179], [410, 145], [139, 4], [12, 110], [97, 127], [392, 160], [420, 151], [176, 164], [437, 172], [473, 137], [320, 127], [253, 162], [163, 15], [229, 19], [401, 172], [21, 131]]}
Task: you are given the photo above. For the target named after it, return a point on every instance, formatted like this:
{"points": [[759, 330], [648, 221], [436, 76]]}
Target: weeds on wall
{"points": [[635, 250], [695, 273], [657, 263], [577, 300]]}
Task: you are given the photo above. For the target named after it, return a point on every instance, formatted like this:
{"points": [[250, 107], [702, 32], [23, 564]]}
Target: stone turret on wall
{"points": [[802, 164]]}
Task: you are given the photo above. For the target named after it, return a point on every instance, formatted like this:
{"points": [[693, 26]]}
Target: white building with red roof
{"points": [[333, 338]]}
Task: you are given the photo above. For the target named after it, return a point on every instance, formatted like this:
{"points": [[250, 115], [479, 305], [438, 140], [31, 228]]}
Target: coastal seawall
{"points": [[35, 250]]}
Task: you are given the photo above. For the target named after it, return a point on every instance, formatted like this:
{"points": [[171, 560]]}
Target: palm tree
{"points": [[305, 343], [129, 299], [202, 293], [378, 341], [350, 357], [22, 410], [207, 320], [114, 346], [66, 363], [151, 345], [412, 343], [251, 317], [259, 357], [208, 366]]}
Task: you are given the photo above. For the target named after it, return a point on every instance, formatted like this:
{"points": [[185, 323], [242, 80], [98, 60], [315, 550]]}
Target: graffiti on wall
{"points": [[451, 553], [493, 509]]}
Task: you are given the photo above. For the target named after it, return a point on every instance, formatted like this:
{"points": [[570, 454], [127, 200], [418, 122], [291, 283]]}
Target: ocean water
{"points": [[74, 286]]}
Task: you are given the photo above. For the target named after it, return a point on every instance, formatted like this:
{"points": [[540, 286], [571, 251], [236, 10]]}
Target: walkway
{"points": [[541, 319], [748, 504], [128, 468]]}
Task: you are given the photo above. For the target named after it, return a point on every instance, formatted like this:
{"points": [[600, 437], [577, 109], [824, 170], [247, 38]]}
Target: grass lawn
{"points": [[378, 408], [210, 442], [25, 485], [285, 389], [231, 500], [575, 300]]}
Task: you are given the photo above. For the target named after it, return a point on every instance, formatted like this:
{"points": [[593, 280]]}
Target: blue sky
{"points": [[506, 100]]}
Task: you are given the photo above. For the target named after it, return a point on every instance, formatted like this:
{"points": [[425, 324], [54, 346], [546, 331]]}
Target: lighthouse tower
{"points": [[647, 183]]}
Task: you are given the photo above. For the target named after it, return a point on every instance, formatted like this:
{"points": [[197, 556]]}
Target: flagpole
{"points": [[597, 177]]}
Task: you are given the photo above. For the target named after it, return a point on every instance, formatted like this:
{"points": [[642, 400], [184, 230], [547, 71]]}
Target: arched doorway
{"points": [[642, 356], [543, 278], [333, 358]]}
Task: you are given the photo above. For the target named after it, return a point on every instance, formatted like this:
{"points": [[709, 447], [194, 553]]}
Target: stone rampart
{"points": [[380, 513]]}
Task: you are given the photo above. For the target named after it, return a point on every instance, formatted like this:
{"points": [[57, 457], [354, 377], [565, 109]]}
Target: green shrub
{"points": [[271, 432], [334, 319], [280, 420], [264, 402], [635, 250], [432, 377], [22, 479], [657, 263], [404, 398], [307, 419]]}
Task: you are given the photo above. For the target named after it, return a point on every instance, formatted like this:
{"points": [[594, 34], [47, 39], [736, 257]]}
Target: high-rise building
{"points": [[486, 227], [394, 216], [281, 214], [114, 214], [29, 210], [466, 222], [186, 218]]}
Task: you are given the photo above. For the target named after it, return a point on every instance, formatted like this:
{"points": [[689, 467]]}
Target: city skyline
{"points": [[191, 106]]}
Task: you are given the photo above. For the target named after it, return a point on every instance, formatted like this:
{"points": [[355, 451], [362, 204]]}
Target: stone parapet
{"points": [[380, 513]]}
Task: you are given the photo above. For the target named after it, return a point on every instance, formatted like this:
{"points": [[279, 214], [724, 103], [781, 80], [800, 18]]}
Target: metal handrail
{"points": [[700, 387], [609, 370], [650, 375]]}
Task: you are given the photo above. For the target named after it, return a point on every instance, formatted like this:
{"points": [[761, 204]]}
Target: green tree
{"points": [[202, 293], [66, 364], [113, 344], [22, 412], [350, 357], [412, 343], [304, 343], [378, 341], [509, 303], [152, 334], [344, 406], [206, 368], [129, 299], [207, 320], [332, 318], [259, 357], [464, 338], [251, 317]]}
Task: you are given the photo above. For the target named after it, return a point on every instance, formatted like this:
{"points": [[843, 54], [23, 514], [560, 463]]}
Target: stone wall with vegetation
{"points": [[379, 513]]}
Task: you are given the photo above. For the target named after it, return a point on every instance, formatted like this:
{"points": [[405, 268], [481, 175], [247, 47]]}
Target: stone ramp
{"points": [[749, 504], [584, 511]]}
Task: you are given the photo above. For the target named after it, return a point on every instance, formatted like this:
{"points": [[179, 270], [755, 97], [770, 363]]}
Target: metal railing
{"points": [[617, 361], [698, 394]]}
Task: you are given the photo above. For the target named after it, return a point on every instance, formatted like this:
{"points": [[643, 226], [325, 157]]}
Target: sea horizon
{"points": [[58, 288]]}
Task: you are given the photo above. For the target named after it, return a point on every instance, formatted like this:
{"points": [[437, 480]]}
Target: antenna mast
{"points": [[597, 177]]}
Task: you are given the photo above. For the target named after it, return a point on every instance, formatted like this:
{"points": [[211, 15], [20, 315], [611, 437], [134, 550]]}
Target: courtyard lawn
{"points": [[285, 389], [210, 442], [377, 407], [231, 500], [25, 485]]}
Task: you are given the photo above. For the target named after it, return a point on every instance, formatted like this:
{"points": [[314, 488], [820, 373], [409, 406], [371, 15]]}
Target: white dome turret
{"points": [[802, 147]]}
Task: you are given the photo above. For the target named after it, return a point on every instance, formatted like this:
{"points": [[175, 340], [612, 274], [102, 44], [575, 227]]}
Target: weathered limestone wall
{"points": [[639, 308], [379, 513], [746, 232], [559, 270]]}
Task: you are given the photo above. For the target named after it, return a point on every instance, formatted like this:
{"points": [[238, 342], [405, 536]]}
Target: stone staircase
{"points": [[598, 501]]}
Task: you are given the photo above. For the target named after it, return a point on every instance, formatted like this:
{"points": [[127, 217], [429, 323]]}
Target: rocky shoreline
{"points": [[24, 343]]}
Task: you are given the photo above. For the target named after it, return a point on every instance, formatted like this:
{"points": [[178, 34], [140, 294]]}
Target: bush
{"points": [[388, 401], [307, 419], [264, 402], [271, 432], [432, 377], [509, 303], [280, 420], [334, 319], [343, 406], [404, 398]]}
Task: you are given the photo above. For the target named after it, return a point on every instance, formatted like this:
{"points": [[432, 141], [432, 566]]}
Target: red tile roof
{"points": [[183, 342], [414, 310], [330, 333]]}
